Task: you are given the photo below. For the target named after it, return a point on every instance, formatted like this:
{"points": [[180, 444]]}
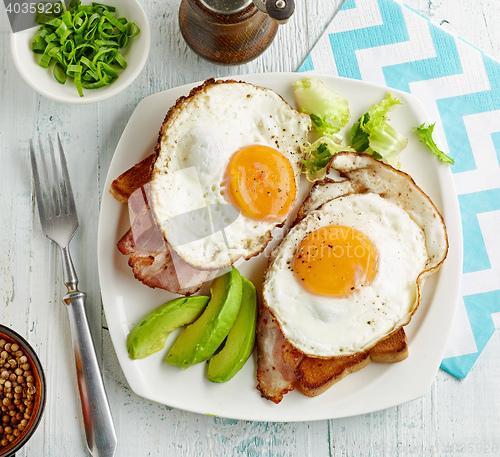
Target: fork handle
{"points": [[98, 422]]}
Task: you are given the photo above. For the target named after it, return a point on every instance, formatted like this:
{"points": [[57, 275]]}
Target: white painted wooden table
{"points": [[454, 418]]}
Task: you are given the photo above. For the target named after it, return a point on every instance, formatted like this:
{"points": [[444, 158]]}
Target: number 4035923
{"points": [[32, 8]]}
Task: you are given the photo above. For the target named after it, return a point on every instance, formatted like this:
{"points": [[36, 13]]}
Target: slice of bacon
{"points": [[151, 259], [277, 359]]}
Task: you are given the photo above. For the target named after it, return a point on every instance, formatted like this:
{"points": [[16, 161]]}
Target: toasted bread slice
{"points": [[132, 179], [315, 375], [392, 349], [281, 367]]}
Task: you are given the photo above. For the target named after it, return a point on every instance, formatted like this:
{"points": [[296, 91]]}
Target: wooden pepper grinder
{"points": [[232, 32]]}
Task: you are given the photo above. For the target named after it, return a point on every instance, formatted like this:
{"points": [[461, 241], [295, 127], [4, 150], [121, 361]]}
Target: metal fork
{"points": [[56, 207]]}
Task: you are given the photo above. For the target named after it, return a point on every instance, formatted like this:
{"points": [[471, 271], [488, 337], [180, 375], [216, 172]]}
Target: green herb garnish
{"points": [[83, 42]]}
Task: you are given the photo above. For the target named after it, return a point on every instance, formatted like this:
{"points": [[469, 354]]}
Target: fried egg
{"points": [[227, 171], [350, 271]]}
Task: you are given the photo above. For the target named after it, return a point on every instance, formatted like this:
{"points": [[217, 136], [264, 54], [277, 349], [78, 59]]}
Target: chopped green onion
{"points": [[79, 39], [39, 44], [111, 9], [56, 22], [89, 36], [51, 37], [106, 30], [78, 83], [104, 43], [63, 32], [54, 51], [94, 20], [82, 42], [102, 55], [87, 63], [113, 21], [104, 69], [67, 19], [73, 69], [59, 73], [97, 85], [120, 60], [45, 61], [80, 21], [69, 48], [86, 9], [123, 41], [43, 18], [132, 29]]}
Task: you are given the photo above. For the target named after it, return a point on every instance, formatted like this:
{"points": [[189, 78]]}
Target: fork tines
{"points": [[53, 190]]}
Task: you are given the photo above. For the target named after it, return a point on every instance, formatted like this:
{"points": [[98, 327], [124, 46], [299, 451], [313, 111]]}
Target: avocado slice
{"points": [[150, 334], [201, 339], [240, 340]]}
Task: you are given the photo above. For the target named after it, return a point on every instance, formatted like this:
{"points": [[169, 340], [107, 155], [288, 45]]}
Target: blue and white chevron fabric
{"points": [[385, 42]]}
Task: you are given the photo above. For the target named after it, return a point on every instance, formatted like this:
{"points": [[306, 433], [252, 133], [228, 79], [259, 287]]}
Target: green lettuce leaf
{"points": [[373, 134], [318, 154], [425, 134], [329, 111]]}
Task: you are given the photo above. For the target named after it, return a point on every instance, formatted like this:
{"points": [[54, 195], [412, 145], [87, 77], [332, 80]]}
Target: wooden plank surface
{"points": [[454, 418]]}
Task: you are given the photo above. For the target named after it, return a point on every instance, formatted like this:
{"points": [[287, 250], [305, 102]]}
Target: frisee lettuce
{"points": [[318, 154], [329, 111], [425, 134], [373, 134]]}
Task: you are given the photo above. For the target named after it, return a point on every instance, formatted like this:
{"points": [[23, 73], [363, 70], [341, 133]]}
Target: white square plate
{"points": [[126, 300]]}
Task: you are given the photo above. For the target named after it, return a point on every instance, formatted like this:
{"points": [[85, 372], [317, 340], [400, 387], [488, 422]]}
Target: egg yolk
{"points": [[335, 260], [261, 182]]}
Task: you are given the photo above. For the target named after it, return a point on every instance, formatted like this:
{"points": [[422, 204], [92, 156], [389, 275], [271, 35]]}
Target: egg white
{"points": [[327, 326], [194, 150]]}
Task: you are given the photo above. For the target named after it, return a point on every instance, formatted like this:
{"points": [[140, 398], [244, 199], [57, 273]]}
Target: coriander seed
{"points": [[17, 392]]}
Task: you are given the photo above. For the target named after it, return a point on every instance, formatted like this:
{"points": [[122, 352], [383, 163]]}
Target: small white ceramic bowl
{"points": [[42, 80]]}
